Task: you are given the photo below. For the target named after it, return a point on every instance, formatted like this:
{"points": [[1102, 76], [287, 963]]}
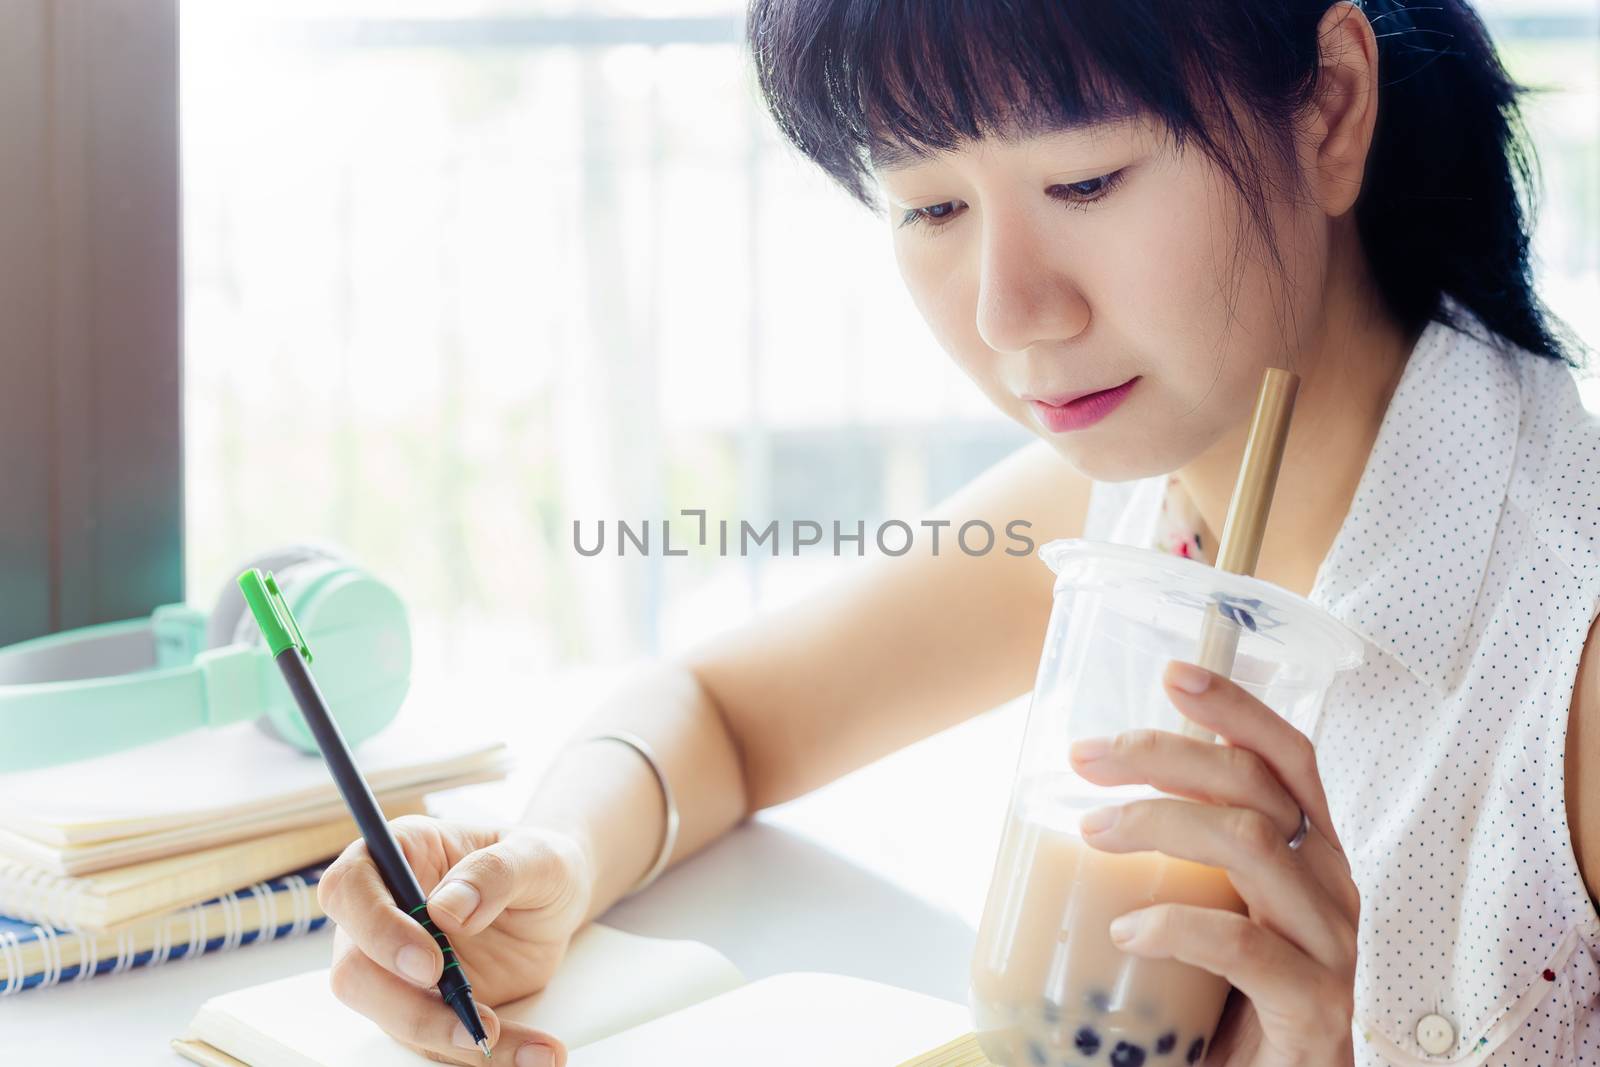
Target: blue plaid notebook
{"points": [[32, 956]]}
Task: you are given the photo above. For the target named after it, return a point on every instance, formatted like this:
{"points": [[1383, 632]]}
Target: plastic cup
{"points": [[1048, 986]]}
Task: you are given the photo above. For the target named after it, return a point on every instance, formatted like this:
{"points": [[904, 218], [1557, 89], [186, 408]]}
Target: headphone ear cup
{"points": [[265, 724], [293, 576], [359, 634], [289, 572], [230, 621]]}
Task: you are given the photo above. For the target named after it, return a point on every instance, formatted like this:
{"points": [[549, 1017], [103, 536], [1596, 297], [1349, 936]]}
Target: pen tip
{"points": [[483, 1045]]}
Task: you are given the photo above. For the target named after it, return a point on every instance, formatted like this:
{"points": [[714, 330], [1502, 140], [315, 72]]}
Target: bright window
{"points": [[456, 278]]}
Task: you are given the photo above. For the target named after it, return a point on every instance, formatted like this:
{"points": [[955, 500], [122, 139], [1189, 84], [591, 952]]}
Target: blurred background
{"points": [[432, 281], [472, 270]]}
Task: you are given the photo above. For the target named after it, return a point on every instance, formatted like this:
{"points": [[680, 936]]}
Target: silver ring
{"points": [[1300, 835]]}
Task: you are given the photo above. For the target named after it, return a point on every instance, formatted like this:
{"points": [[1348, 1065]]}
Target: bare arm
{"points": [[1583, 763], [901, 648]]}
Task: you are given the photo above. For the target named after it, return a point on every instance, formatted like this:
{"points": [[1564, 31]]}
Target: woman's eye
{"points": [[1074, 194], [933, 215], [1082, 194]]}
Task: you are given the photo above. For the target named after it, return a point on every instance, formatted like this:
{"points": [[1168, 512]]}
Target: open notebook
{"points": [[618, 1000]]}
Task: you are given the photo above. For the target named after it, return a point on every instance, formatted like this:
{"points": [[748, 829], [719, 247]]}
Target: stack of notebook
{"points": [[203, 842]]}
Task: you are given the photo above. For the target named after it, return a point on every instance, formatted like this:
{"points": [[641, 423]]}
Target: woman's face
{"points": [[1074, 261]]}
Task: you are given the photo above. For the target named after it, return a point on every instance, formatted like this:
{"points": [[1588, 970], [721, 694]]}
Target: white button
{"points": [[1435, 1034]]}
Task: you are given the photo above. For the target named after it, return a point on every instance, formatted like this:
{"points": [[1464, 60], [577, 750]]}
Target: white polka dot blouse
{"points": [[1469, 563]]}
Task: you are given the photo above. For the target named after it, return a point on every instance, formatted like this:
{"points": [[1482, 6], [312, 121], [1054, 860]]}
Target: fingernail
{"points": [[1090, 749], [1188, 677], [536, 1056], [415, 964], [456, 899], [1093, 822], [1125, 927], [461, 1039]]}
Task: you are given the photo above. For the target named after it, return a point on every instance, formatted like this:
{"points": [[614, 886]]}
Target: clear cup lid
{"points": [[1173, 593]]}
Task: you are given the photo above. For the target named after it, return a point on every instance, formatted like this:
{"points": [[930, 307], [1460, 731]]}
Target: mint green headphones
{"points": [[101, 689]]}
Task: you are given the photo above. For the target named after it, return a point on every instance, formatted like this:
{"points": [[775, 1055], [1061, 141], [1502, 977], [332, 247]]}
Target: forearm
{"points": [[605, 794]]}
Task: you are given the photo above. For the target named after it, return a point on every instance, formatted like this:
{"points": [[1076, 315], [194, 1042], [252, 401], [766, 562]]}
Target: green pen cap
{"points": [[272, 612]]}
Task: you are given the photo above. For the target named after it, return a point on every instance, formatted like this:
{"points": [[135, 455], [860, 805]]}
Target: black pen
{"points": [[289, 649]]}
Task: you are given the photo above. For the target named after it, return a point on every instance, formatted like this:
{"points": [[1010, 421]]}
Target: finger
{"points": [[416, 1016], [1331, 870], [1268, 876], [1228, 711], [1297, 1000], [537, 1055], [353, 895], [1229, 775], [534, 873], [421, 1019]]}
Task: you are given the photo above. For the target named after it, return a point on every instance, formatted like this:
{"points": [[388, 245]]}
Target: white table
{"points": [[880, 874]]}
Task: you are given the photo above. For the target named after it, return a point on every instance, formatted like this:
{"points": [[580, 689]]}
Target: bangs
{"points": [[861, 83]]}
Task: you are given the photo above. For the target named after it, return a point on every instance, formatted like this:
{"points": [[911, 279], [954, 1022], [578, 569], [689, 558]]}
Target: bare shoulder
{"points": [[1583, 762]]}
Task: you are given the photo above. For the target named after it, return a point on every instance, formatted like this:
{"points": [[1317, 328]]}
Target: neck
{"points": [[1349, 370]]}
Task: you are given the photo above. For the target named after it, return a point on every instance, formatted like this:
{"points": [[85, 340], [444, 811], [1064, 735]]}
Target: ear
{"points": [[1337, 125]]}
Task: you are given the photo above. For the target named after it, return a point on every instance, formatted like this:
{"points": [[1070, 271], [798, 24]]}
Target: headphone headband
{"points": [[100, 689]]}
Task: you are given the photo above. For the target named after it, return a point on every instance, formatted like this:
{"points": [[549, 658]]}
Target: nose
{"points": [[1024, 297]]}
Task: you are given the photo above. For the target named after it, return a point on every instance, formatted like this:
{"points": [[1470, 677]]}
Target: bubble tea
{"points": [[1048, 986]]}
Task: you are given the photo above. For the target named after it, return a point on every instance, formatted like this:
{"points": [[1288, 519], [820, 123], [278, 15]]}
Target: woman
{"points": [[1176, 196]]}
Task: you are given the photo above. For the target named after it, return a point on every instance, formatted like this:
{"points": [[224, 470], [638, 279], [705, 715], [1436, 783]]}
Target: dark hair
{"points": [[850, 82]]}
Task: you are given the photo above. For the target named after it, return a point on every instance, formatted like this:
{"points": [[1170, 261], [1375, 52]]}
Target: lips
{"points": [[1080, 410], [1064, 399]]}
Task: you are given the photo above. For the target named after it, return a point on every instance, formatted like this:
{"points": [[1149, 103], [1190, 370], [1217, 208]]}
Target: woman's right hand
{"points": [[509, 899]]}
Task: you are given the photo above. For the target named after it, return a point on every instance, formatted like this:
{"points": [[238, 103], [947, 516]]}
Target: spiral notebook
{"points": [[617, 1000], [34, 956]]}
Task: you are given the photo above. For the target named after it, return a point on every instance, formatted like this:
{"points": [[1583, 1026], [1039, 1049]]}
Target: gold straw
{"points": [[1247, 518]]}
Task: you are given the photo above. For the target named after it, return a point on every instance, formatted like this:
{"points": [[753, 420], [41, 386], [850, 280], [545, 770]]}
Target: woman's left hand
{"points": [[1293, 955]]}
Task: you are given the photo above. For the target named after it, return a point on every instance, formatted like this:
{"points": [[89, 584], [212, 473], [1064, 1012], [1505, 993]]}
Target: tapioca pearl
{"points": [[1166, 1043], [1126, 1055], [1086, 1041], [1037, 1055], [1098, 1001], [1195, 1049]]}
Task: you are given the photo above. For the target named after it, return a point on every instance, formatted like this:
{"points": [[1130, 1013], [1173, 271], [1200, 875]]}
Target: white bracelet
{"points": [[665, 855]]}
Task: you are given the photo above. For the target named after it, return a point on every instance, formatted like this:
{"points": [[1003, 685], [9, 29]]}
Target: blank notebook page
{"points": [[609, 981], [618, 1000], [802, 1019]]}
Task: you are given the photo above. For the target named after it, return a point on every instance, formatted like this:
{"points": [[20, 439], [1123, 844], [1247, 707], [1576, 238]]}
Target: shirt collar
{"points": [[1406, 568]]}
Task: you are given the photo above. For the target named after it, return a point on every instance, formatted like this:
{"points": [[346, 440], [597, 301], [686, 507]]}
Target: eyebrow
{"points": [[898, 155]]}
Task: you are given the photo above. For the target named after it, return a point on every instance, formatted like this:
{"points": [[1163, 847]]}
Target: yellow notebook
{"points": [[618, 1000], [108, 901], [962, 1052]]}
